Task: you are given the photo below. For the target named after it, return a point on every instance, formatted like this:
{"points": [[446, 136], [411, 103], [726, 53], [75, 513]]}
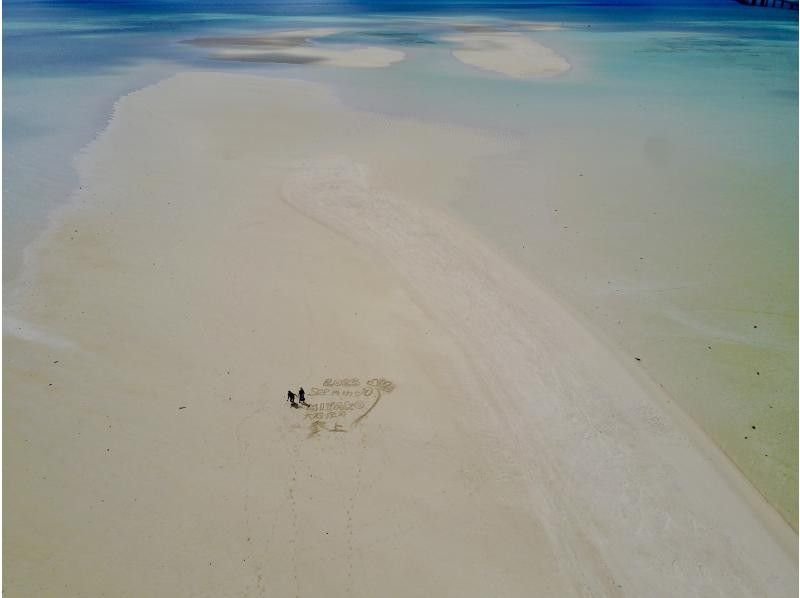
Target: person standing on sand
{"points": [[290, 395], [302, 395]]}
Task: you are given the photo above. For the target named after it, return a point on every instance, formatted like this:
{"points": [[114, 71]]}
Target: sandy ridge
{"points": [[509, 53]]}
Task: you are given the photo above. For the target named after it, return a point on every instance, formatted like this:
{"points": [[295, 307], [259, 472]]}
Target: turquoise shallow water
{"points": [[654, 188]]}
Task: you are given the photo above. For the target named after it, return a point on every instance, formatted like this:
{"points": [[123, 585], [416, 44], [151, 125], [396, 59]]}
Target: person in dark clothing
{"points": [[302, 394], [290, 396]]}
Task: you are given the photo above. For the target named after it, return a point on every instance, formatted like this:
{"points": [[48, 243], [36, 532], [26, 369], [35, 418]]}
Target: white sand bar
{"points": [[509, 53], [236, 236], [296, 46]]}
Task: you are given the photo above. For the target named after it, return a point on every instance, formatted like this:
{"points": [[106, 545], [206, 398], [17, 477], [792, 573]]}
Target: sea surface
{"points": [[653, 187]]}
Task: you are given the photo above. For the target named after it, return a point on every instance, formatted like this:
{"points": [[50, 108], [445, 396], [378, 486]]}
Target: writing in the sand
{"points": [[332, 409], [338, 404], [339, 392], [341, 382]]}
